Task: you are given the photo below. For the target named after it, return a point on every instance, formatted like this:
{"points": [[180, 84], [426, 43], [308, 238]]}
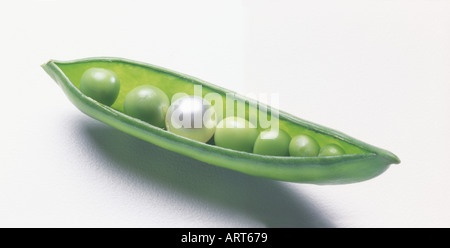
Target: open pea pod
{"points": [[361, 161]]}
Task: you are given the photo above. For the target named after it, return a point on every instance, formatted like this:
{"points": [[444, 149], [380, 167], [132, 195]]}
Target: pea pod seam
{"points": [[370, 162]]}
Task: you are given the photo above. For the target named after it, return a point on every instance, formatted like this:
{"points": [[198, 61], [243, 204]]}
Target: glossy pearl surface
{"points": [[191, 117]]}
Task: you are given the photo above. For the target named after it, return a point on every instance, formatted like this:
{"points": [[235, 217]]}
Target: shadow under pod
{"points": [[266, 201]]}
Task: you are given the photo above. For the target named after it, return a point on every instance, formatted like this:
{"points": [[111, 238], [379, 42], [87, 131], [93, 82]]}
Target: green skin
{"points": [[361, 161], [236, 133], [147, 103], [272, 143], [101, 85], [331, 150], [304, 146]]}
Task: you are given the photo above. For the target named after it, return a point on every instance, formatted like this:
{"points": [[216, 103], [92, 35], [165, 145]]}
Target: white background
{"points": [[376, 70]]}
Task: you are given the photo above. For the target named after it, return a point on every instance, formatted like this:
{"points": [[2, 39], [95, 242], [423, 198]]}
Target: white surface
{"points": [[376, 70]]}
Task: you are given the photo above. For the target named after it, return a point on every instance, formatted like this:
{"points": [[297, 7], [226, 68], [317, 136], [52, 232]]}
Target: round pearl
{"points": [[191, 117]]}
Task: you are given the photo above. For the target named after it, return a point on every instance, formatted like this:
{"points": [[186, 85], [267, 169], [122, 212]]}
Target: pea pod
{"points": [[361, 161]]}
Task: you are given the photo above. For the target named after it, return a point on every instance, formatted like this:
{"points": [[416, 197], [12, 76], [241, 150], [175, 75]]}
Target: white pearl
{"points": [[191, 117]]}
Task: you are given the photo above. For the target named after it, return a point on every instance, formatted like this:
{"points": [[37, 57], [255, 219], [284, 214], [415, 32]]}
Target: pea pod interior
{"points": [[361, 161]]}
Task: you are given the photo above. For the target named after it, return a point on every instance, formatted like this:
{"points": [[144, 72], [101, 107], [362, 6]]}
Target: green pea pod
{"points": [[361, 161]]}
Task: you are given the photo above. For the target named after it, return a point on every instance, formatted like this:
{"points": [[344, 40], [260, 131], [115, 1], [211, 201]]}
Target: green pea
{"points": [[272, 143], [236, 133], [100, 84], [331, 150], [147, 103], [303, 146]]}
